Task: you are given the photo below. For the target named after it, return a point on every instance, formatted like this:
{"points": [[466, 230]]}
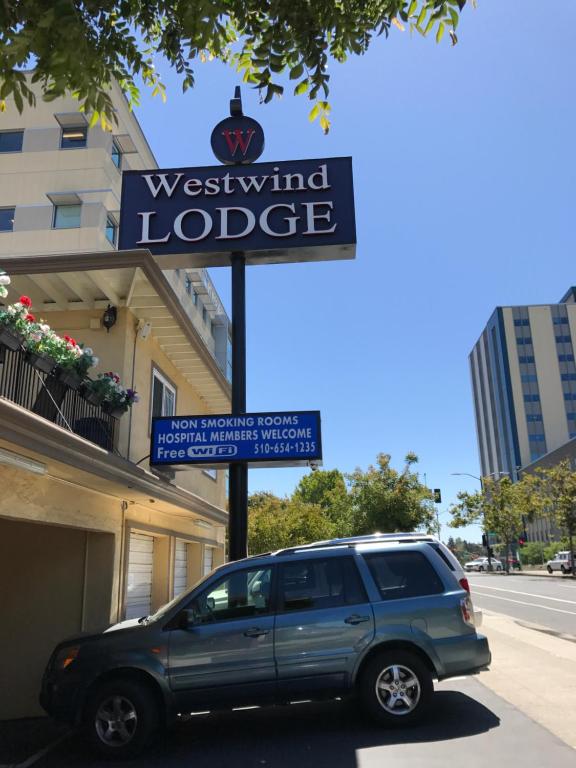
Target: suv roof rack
{"points": [[351, 541]]}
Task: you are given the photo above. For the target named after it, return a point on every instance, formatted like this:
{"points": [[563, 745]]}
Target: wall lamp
{"points": [[109, 317]]}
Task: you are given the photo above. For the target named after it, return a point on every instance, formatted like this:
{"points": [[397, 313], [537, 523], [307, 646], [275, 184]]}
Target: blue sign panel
{"points": [[288, 438], [298, 210]]}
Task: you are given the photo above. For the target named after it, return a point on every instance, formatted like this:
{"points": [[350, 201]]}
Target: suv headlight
{"points": [[65, 657]]}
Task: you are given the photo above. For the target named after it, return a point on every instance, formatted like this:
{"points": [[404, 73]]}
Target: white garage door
{"points": [[208, 552], [139, 583], [180, 567]]}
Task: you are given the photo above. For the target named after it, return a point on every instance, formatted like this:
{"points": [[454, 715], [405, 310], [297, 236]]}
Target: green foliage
{"points": [[275, 523], [386, 500], [79, 46], [327, 489]]}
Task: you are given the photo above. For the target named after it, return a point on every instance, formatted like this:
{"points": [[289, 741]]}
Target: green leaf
{"points": [[314, 113], [296, 71], [301, 88], [421, 17], [412, 7], [440, 32]]}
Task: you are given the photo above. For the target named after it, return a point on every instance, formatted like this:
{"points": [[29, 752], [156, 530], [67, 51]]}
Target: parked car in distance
{"points": [[481, 564], [380, 619], [560, 562]]}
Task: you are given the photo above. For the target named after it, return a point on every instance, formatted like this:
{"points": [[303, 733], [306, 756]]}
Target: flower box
{"points": [[113, 410], [94, 398], [68, 377], [40, 362], [11, 339]]}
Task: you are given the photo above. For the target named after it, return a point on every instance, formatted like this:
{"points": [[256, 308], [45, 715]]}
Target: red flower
{"points": [[30, 317], [25, 301]]}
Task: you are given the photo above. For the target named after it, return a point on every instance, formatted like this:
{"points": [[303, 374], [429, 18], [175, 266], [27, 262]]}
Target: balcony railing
{"points": [[47, 396]]}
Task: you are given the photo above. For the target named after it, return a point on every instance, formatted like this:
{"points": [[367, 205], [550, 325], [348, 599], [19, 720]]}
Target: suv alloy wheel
{"points": [[396, 688], [121, 718]]}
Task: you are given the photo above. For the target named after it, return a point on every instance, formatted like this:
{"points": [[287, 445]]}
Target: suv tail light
{"points": [[464, 584], [467, 610]]}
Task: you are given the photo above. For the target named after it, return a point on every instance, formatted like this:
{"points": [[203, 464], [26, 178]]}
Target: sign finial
{"points": [[236, 103]]}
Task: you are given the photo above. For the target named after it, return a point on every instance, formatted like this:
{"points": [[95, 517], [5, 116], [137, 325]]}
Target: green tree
{"points": [[499, 507], [386, 500], [327, 489], [551, 491], [275, 523], [79, 46]]}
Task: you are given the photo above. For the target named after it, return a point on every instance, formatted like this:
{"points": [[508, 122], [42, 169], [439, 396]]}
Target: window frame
{"points": [[272, 603], [116, 151], [70, 129], [342, 560], [67, 205], [111, 224], [158, 373], [9, 208], [12, 151]]}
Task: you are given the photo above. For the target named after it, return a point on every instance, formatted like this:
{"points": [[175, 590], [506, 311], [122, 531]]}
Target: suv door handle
{"points": [[356, 619], [256, 632]]}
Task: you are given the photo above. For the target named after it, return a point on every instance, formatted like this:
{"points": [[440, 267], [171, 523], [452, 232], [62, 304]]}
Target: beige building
{"points": [[89, 533]]}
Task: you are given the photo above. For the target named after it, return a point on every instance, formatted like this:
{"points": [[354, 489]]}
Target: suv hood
{"points": [[127, 624]]}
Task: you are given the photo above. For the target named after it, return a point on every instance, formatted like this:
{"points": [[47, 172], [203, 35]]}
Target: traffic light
{"points": [[437, 496]]}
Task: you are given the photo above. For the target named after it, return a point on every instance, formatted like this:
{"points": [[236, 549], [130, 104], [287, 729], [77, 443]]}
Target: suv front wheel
{"points": [[121, 718], [396, 688]]}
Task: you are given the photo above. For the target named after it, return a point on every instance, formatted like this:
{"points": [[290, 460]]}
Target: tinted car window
{"points": [[320, 584], [238, 596], [403, 574]]}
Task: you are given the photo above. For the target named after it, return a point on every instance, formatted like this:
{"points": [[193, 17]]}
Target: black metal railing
{"points": [[47, 396]]}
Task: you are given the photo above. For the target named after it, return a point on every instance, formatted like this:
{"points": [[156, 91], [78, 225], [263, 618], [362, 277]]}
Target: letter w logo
{"points": [[236, 139]]}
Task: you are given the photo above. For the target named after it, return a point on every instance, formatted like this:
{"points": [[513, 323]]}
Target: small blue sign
{"points": [[287, 438]]}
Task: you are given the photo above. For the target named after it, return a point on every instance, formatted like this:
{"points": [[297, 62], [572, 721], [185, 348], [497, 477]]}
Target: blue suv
{"points": [[377, 619]]}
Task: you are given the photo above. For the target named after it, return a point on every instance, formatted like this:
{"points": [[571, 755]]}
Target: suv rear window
{"points": [[317, 583], [403, 574]]}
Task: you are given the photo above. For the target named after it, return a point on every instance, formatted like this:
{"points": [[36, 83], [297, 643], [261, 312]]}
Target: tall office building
{"points": [[524, 384]]}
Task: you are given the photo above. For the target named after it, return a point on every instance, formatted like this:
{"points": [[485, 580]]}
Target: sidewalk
{"points": [[534, 669], [22, 739]]}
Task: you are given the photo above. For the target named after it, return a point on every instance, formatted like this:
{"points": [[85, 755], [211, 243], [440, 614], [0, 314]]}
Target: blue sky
{"points": [[464, 180]]}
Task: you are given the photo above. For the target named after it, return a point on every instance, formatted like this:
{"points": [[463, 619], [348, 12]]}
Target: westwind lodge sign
{"points": [[298, 210]]}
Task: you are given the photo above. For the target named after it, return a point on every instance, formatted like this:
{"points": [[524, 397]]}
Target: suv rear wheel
{"points": [[121, 718], [396, 688]]}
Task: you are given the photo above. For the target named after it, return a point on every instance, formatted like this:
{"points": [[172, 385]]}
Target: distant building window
{"points": [[527, 340], [535, 455], [116, 155], [525, 358], [571, 415], [569, 396], [74, 138], [528, 377], [572, 434], [537, 438], [67, 216], [211, 473], [194, 297], [111, 230], [204, 314], [563, 339], [560, 320], [568, 376], [188, 285], [533, 417], [522, 321], [531, 398], [7, 219], [163, 395], [566, 358], [11, 141]]}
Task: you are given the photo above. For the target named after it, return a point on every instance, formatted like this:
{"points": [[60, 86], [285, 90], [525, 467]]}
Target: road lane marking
{"points": [[522, 602], [529, 594]]}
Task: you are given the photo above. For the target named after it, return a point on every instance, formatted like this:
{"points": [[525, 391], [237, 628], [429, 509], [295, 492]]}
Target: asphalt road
{"points": [[468, 726], [550, 602]]}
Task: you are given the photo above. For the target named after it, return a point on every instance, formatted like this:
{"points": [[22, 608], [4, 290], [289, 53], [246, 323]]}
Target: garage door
{"points": [[139, 584], [208, 552], [180, 567]]}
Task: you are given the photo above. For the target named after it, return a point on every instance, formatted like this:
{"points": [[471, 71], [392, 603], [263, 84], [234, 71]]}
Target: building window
{"points": [[521, 321], [533, 417], [116, 155], [11, 141], [67, 216], [525, 358], [528, 377], [531, 398], [522, 340], [211, 473], [111, 230], [7, 219], [560, 320], [163, 395], [74, 138], [204, 314], [536, 438], [188, 285], [563, 339], [566, 358], [568, 376]]}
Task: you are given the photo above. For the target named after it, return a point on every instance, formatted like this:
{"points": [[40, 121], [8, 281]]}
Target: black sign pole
{"points": [[238, 473]]}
